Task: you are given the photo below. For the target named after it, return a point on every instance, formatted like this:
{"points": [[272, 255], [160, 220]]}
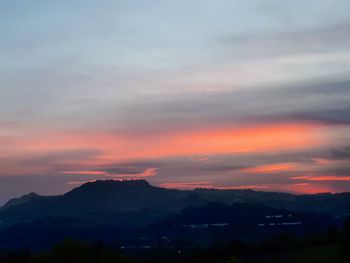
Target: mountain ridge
{"points": [[144, 184], [101, 188], [119, 209]]}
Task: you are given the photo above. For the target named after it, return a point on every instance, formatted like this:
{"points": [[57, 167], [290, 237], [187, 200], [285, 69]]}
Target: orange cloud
{"points": [[209, 185], [273, 168], [114, 147], [80, 182], [302, 188], [84, 172], [187, 185], [195, 142], [146, 173], [242, 187], [321, 178], [236, 140]]}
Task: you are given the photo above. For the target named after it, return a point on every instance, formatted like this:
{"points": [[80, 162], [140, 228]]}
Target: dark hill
{"points": [[128, 206]]}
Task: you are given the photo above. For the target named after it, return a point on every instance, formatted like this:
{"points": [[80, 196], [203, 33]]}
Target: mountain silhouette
{"points": [[119, 210]]}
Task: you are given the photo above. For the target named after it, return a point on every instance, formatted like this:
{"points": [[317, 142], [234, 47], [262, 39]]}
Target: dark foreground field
{"points": [[333, 246]]}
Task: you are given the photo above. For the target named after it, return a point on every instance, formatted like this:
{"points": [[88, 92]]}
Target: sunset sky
{"points": [[184, 93]]}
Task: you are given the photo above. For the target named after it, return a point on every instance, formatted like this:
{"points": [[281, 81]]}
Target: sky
{"points": [[228, 94]]}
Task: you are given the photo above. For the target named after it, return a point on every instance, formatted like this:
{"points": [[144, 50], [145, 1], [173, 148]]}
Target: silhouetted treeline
{"points": [[332, 246], [66, 252]]}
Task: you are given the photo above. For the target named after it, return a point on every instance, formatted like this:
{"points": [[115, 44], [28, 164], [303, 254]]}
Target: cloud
{"points": [[331, 116], [340, 168], [223, 168], [187, 185], [84, 172], [315, 100], [50, 161], [340, 154], [321, 178], [121, 171], [272, 168], [251, 97], [208, 185], [77, 183], [331, 37]]}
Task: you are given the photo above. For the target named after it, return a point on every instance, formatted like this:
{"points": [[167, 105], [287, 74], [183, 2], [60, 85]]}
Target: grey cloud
{"points": [[339, 170], [332, 116], [125, 170], [53, 161], [64, 96], [61, 156], [223, 168], [315, 100], [341, 153], [329, 116], [316, 39]]}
